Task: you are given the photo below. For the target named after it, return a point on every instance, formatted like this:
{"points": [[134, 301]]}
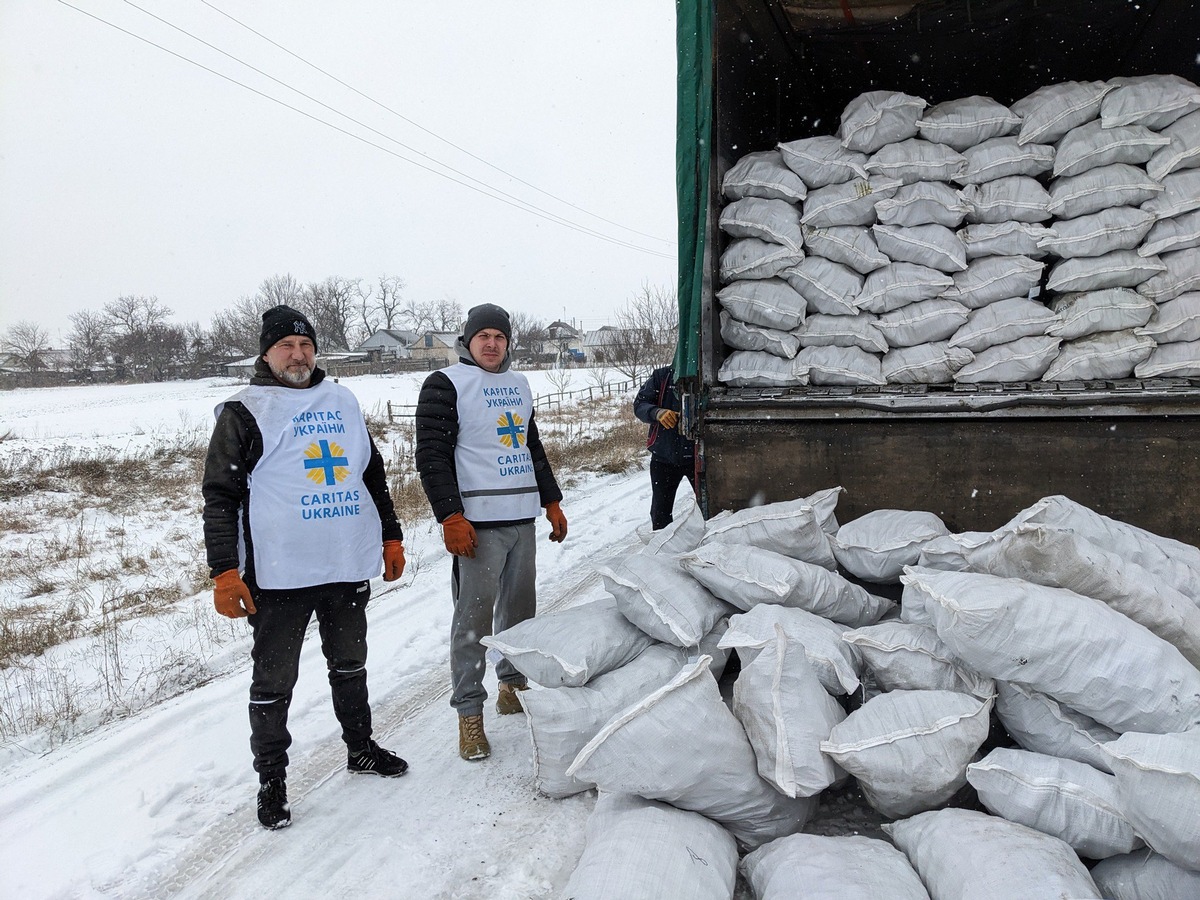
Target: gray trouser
{"points": [[496, 590]]}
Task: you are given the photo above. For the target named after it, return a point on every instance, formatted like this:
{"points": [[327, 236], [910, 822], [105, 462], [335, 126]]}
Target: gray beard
{"points": [[294, 377]]}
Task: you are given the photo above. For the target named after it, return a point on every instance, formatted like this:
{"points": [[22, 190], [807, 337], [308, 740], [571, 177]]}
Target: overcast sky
{"points": [[126, 170]]}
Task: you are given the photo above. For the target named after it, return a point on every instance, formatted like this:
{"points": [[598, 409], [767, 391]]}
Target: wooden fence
{"points": [[543, 401]]}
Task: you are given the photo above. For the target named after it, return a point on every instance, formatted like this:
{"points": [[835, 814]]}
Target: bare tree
{"points": [[281, 290], [28, 343], [237, 328], [131, 313], [331, 306], [448, 314], [645, 333], [528, 332], [387, 302], [88, 340]]}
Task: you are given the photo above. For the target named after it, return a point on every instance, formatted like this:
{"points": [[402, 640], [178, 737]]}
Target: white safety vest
{"points": [[312, 518], [492, 459]]}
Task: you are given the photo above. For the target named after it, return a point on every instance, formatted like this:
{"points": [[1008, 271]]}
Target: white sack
{"points": [[1014, 198], [1154, 101], [909, 750], [1041, 724], [1181, 275], [879, 544], [849, 245], [640, 849], [1115, 228], [840, 365], [849, 203], [744, 336], [1074, 648], [1115, 269], [835, 662], [1113, 354], [1054, 109], [1092, 145], [876, 118], [900, 284], [770, 220], [763, 174], [1180, 194], [571, 646], [967, 121], [923, 203], [1178, 233], [823, 160], [961, 853], [916, 160], [841, 331], [769, 302], [831, 868], [1089, 192], [924, 322], [1158, 784], [935, 246], [682, 745], [993, 278], [1177, 563], [1094, 312], [933, 363], [1058, 557], [749, 576], [1025, 359], [826, 286], [787, 713], [1183, 151], [683, 533], [1060, 797], [757, 368], [1003, 239], [795, 528], [907, 657], [562, 720], [1175, 320], [1180, 360], [657, 596], [754, 258], [1002, 322], [1144, 875], [1003, 157]]}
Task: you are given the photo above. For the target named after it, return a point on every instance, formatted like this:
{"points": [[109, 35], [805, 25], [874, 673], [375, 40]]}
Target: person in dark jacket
{"points": [[486, 475], [297, 519], [672, 455]]}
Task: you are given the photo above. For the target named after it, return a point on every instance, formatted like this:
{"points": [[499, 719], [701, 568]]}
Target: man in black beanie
{"points": [[297, 520], [486, 475]]}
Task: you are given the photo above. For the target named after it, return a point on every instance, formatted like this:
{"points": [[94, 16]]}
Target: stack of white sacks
{"points": [[1075, 634], [913, 247]]}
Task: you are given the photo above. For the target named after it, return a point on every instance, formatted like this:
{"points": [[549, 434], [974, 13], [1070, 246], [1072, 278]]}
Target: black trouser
{"points": [[279, 626], [664, 482]]}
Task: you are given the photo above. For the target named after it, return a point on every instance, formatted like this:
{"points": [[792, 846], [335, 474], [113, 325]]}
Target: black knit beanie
{"points": [[486, 315], [280, 322]]}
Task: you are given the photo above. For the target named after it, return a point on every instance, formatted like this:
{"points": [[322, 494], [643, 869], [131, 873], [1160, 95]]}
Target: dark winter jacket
{"points": [[235, 448], [437, 437], [658, 393]]}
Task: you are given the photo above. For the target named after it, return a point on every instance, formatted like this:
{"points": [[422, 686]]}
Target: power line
{"points": [[525, 204], [421, 127], [487, 190]]}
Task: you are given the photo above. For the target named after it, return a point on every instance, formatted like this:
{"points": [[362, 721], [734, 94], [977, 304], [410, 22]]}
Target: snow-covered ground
{"points": [[161, 802]]}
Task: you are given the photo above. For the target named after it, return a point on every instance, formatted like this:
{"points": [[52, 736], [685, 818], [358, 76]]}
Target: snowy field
{"points": [[160, 801]]}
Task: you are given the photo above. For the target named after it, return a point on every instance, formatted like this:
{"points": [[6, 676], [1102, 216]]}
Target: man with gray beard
{"points": [[297, 520]]}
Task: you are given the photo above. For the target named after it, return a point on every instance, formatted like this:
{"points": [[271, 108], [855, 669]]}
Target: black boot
{"points": [[373, 758], [273, 809]]}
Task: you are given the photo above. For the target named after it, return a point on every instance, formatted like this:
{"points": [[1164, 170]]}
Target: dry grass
{"points": [[31, 629]]}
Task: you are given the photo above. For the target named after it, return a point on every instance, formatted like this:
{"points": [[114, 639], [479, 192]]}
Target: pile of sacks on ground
{"points": [[1065, 640], [1057, 239]]}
